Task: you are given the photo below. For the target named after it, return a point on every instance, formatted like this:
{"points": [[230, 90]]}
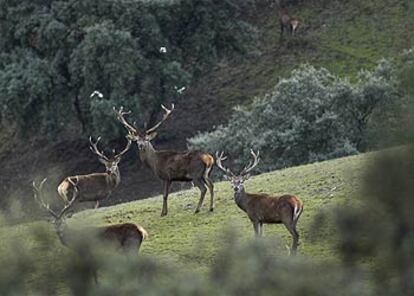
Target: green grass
{"points": [[363, 33], [342, 36], [192, 241]]}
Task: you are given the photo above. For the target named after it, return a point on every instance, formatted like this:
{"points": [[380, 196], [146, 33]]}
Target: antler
{"points": [[251, 165], [120, 116], [119, 155], [95, 150], [220, 158], [164, 118], [36, 192], [37, 196]]}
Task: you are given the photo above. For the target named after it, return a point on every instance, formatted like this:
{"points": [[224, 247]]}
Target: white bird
{"points": [[180, 90], [99, 94], [163, 49]]}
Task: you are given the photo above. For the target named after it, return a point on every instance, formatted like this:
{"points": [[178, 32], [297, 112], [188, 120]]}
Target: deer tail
{"points": [[208, 161], [297, 211], [144, 233]]}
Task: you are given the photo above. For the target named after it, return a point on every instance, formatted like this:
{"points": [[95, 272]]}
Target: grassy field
{"points": [[342, 36], [192, 241]]}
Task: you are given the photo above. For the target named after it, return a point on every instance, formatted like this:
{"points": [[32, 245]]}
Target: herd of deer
{"points": [[169, 166]]}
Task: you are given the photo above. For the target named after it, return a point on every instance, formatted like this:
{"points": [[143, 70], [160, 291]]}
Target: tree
{"points": [[312, 115], [67, 49]]}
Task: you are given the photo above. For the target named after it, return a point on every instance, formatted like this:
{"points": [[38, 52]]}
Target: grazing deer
{"points": [[96, 186], [287, 22], [169, 165], [263, 208], [125, 236]]}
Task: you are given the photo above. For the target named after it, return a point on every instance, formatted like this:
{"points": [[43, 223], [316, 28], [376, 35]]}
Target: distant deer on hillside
{"points": [[263, 208], [287, 22], [170, 165], [95, 186], [126, 237]]}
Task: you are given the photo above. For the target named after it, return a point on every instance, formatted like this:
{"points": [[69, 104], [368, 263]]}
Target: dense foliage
{"points": [[312, 115], [54, 54]]}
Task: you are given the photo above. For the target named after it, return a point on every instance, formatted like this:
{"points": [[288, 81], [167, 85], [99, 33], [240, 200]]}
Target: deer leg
{"points": [[97, 204], [290, 225], [167, 185], [256, 227], [95, 276], [282, 28], [210, 186], [260, 228], [201, 185]]}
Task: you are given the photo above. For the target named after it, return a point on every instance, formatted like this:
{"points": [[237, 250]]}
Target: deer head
{"points": [[237, 181], [143, 139], [111, 163]]}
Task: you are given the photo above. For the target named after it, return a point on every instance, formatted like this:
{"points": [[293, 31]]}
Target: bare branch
{"points": [[164, 118]]}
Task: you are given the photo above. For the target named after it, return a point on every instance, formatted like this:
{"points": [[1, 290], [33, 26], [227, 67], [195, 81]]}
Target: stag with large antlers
{"points": [[263, 208], [170, 166], [125, 236], [95, 186]]}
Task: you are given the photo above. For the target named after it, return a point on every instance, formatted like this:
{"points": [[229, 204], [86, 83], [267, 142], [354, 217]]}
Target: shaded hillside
{"points": [[344, 37]]}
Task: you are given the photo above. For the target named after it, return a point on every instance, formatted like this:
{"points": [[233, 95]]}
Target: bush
{"points": [[248, 269], [313, 115], [55, 54]]}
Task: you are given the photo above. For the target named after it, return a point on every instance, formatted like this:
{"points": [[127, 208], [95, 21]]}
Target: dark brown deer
{"points": [[264, 208], [125, 236], [170, 165], [287, 22], [96, 186]]}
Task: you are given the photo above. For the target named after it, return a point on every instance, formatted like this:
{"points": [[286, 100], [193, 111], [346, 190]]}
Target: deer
{"points": [[287, 22], [95, 186], [126, 237], [170, 165], [263, 208]]}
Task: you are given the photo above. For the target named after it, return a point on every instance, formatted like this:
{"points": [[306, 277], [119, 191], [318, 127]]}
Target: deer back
{"points": [[269, 209], [125, 236], [91, 187], [285, 19], [181, 166]]}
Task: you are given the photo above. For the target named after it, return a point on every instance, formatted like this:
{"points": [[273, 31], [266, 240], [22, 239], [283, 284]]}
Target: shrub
{"points": [[313, 115], [55, 54]]}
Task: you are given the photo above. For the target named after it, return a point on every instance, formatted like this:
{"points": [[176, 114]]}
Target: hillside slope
{"points": [[342, 36], [192, 241]]}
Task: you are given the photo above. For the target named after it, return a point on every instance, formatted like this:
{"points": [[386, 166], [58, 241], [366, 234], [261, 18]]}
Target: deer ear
{"points": [[151, 136], [227, 178], [246, 177]]}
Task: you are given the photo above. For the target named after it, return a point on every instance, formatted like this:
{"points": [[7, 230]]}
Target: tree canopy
{"points": [[54, 54]]}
